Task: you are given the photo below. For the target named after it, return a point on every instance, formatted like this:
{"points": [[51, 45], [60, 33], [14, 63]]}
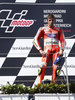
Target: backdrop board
{"points": [[19, 60], [30, 1]]}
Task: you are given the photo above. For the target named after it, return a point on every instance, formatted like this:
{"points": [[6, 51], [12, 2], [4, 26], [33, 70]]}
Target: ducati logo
{"points": [[14, 22]]}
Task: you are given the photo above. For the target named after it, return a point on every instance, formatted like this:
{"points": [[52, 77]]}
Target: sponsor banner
{"points": [[25, 21], [32, 64], [18, 26], [20, 48]]}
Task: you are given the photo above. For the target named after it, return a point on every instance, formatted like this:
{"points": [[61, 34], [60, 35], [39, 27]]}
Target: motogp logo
{"points": [[11, 23]]}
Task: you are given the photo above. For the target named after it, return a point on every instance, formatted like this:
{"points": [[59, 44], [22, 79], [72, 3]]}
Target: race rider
{"points": [[51, 36]]}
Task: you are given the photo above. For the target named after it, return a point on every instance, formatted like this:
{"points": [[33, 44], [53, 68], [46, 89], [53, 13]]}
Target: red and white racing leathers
{"points": [[51, 38]]}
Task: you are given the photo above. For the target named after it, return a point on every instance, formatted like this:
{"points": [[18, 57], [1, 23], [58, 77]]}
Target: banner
{"points": [[19, 60]]}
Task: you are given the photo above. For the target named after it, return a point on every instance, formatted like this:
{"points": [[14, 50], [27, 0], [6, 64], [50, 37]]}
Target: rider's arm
{"points": [[62, 39], [38, 36]]}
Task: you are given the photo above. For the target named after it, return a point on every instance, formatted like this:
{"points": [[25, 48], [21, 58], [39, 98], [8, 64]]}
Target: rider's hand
{"points": [[42, 52], [61, 52]]}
